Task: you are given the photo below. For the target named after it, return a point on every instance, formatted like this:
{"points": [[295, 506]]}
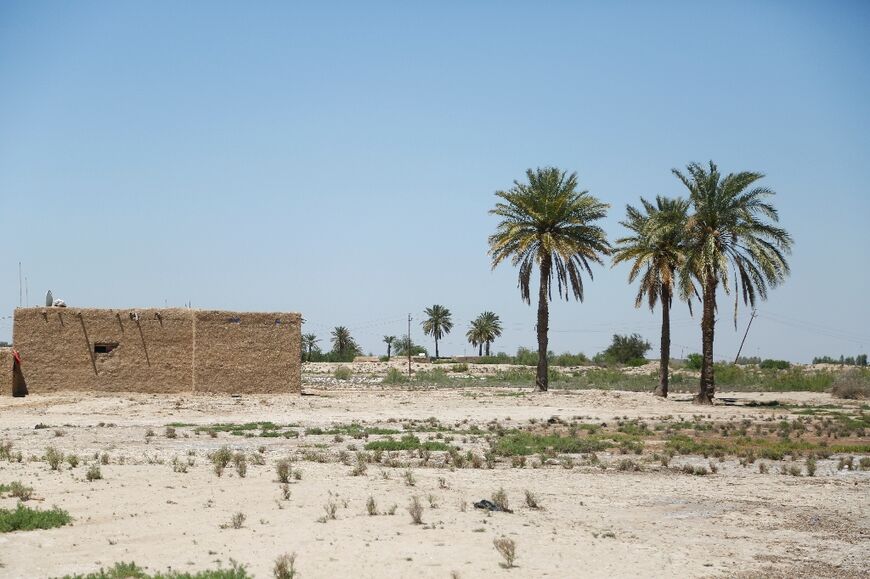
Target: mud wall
{"points": [[158, 350], [5, 371]]}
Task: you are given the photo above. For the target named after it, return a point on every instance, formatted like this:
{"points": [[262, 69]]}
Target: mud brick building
{"points": [[170, 350]]}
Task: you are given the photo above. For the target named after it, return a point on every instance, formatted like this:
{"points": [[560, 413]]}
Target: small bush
{"points": [[342, 373], [694, 361], [507, 549], [409, 478], [27, 519], [221, 458], [852, 385], [241, 464], [170, 432], [20, 491], [53, 457], [330, 508], [394, 376], [237, 521], [626, 464], [72, 460], [775, 365], [459, 368], [283, 468], [500, 499], [371, 506], [93, 473], [532, 500], [415, 509], [285, 567], [811, 466]]}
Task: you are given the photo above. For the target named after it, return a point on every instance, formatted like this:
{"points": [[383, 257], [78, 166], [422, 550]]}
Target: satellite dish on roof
{"points": [[49, 299]]}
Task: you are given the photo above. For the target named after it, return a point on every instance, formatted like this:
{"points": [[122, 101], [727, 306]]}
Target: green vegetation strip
{"points": [[407, 442], [759, 447], [133, 571], [519, 442], [26, 519]]}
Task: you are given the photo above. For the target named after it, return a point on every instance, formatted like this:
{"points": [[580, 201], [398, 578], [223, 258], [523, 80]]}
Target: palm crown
{"points": [[732, 228], [437, 324], [548, 222], [655, 248]]}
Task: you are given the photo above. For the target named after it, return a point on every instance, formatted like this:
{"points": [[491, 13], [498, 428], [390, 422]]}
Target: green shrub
{"points": [[394, 376], [342, 373], [459, 367], [53, 457], [434, 376], [694, 361], [93, 473], [408, 442], [27, 519], [132, 571], [775, 365], [624, 349]]}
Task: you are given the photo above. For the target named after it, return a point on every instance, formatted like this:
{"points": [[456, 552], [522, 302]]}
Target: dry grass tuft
{"points": [[285, 567], [507, 549], [415, 509]]}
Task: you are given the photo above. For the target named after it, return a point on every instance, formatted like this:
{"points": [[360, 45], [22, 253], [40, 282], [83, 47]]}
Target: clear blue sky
{"points": [[339, 159]]}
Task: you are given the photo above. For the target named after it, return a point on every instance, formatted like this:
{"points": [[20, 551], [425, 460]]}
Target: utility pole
{"points": [[409, 345], [749, 325]]}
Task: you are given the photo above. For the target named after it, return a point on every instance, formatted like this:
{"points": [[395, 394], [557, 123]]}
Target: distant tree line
{"points": [[859, 360]]}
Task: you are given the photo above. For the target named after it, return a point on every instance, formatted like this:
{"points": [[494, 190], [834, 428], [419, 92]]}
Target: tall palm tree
{"points": [[309, 344], [656, 250], [491, 326], [475, 335], [549, 223], [733, 228], [342, 342], [437, 324], [388, 340]]}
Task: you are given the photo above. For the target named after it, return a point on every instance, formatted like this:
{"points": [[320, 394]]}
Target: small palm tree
{"points": [[548, 223], [656, 250], [342, 342], [732, 228], [389, 340], [437, 324], [491, 329], [475, 335], [309, 345]]}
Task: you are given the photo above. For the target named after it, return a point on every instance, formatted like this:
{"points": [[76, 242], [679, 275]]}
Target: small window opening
{"points": [[104, 347]]}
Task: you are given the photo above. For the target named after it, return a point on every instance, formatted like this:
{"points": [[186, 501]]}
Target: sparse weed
{"points": [[415, 509], [532, 500], [507, 548], [285, 567], [283, 468], [500, 499]]}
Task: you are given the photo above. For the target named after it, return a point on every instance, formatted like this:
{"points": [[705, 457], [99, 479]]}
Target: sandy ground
{"points": [[595, 523]]}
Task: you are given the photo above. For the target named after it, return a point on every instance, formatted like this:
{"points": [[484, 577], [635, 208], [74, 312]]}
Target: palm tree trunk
{"points": [[487, 348], [480, 349], [389, 347], [706, 389], [543, 325], [665, 358], [436, 348]]}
